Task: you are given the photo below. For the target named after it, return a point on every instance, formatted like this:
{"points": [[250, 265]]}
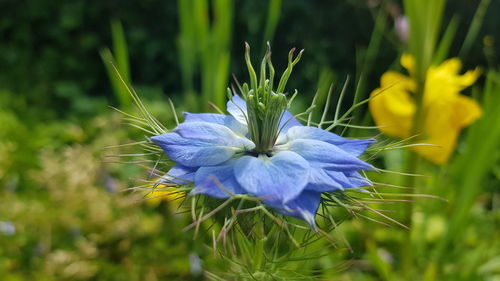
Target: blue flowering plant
{"points": [[259, 158], [262, 150], [258, 177]]}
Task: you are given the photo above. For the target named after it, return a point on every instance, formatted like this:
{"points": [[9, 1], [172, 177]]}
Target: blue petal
{"points": [[327, 156], [357, 180], [353, 146], [322, 180], [196, 144], [303, 207], [237, 107], [217, 181], [221, 119], [325, 180], [279, 178], [178, 175]]}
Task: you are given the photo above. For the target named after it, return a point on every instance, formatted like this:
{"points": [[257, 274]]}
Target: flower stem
{"points": [[412, 167]]}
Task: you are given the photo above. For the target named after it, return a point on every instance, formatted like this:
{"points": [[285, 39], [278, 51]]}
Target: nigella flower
{"points": [[262, 150]]}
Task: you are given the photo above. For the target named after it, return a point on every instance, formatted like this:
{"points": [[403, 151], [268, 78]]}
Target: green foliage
{"points": [[475, 27], [425, 20], [70, 222], [121, 63], [204, 48], [273, 16]]}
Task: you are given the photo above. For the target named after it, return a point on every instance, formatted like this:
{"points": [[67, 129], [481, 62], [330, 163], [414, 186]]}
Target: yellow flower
{"points": [[163, 192], [445, 110]]}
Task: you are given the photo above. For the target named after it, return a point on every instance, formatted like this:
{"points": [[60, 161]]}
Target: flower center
{"points": [[265, 106]]}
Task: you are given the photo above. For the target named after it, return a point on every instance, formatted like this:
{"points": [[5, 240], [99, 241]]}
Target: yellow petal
{"points": [[450, 66], [161, 193], [444, 82], [439, 150], [393, 79], [444, 121], [408, 62], [439, 131], [467, 111], [448, 74], [393, 110], [439, 86], [469, 77]]}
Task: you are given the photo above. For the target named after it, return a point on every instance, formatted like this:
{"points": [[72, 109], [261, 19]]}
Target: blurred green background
{"points": [[62, 213]]}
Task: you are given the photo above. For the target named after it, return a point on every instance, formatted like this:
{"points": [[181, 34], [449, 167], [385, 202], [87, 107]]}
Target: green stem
{"points": [[412, 167], [407, 250]]}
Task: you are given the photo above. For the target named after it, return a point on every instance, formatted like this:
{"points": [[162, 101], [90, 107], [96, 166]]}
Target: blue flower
{"points": [[219, 155], [261, 149]]}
